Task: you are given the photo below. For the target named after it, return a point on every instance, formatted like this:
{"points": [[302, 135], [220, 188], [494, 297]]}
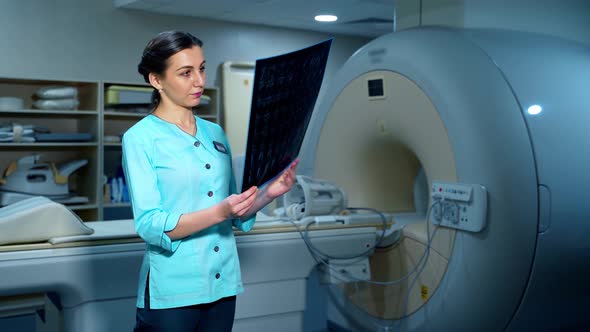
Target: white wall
{"points": [[569, 19], [92, 40], [412, 13]]}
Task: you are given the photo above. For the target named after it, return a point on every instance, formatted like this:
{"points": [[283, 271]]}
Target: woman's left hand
{"points": [[284, 182]]}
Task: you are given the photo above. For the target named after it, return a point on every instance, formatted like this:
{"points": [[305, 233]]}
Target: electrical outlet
{"points": [[437, 212], [459, 205]]}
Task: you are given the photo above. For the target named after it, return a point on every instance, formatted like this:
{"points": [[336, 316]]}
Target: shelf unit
{"points": [[83, 119], [92, 116]]}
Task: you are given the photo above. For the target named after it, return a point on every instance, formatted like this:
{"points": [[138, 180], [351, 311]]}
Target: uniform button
{"points": [[217, 275], [207, 166], [216, 248], [197, 144], [210, 194]]}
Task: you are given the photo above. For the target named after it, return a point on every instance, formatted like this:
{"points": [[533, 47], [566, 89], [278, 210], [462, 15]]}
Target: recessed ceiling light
{"points": [[535, 109], [326, 18]]}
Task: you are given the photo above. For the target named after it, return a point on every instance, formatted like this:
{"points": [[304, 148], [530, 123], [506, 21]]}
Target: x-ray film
{"points": [[285, 91]]}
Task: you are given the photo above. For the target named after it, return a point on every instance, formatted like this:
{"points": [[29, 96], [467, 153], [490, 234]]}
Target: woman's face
{"points": [[184, 79]]}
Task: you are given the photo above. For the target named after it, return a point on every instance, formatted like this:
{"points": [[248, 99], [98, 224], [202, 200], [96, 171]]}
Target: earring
{"points": [[160, 90]]}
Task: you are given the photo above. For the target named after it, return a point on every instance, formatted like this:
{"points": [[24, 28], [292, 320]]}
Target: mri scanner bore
{"points": [[475, 204]]}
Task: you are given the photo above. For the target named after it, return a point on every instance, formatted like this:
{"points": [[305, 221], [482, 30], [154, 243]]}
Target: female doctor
{"points": [[178, 169]]}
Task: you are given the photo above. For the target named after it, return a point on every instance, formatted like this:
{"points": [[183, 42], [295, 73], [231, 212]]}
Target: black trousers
{"points": [[217, 316]]}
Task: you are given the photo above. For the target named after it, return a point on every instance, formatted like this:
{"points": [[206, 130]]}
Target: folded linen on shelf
{"points": [[57, 92]]}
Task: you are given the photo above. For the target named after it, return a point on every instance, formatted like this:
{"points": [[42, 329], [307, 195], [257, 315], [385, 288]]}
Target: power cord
{"points": [[322, 258], [438, 202], [361, 255]]}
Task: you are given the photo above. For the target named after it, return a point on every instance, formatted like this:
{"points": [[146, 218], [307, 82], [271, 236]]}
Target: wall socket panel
{"points": [[459, 205]]}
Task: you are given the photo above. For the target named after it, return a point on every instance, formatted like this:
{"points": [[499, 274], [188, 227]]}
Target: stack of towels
{"points": [[56, 98], [15, 132]]}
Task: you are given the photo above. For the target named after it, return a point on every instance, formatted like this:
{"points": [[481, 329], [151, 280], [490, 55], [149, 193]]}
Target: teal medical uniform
{"points": [[168, 173]]}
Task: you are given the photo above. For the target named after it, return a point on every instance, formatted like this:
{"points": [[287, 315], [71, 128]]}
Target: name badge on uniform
{"points": [[220, 147]]}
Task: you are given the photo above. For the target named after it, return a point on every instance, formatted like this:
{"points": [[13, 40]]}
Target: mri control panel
{"points": [[459, 205]]}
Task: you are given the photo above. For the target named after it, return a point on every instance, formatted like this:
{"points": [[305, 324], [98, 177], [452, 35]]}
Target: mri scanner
{"points": [[496, 119], [502, 109]]}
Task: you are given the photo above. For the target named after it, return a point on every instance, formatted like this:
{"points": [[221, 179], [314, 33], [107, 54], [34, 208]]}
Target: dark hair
{"points": [[159, 49]]}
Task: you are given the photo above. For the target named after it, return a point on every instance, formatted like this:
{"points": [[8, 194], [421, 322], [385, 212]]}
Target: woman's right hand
{"points": [[237, 205]]}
